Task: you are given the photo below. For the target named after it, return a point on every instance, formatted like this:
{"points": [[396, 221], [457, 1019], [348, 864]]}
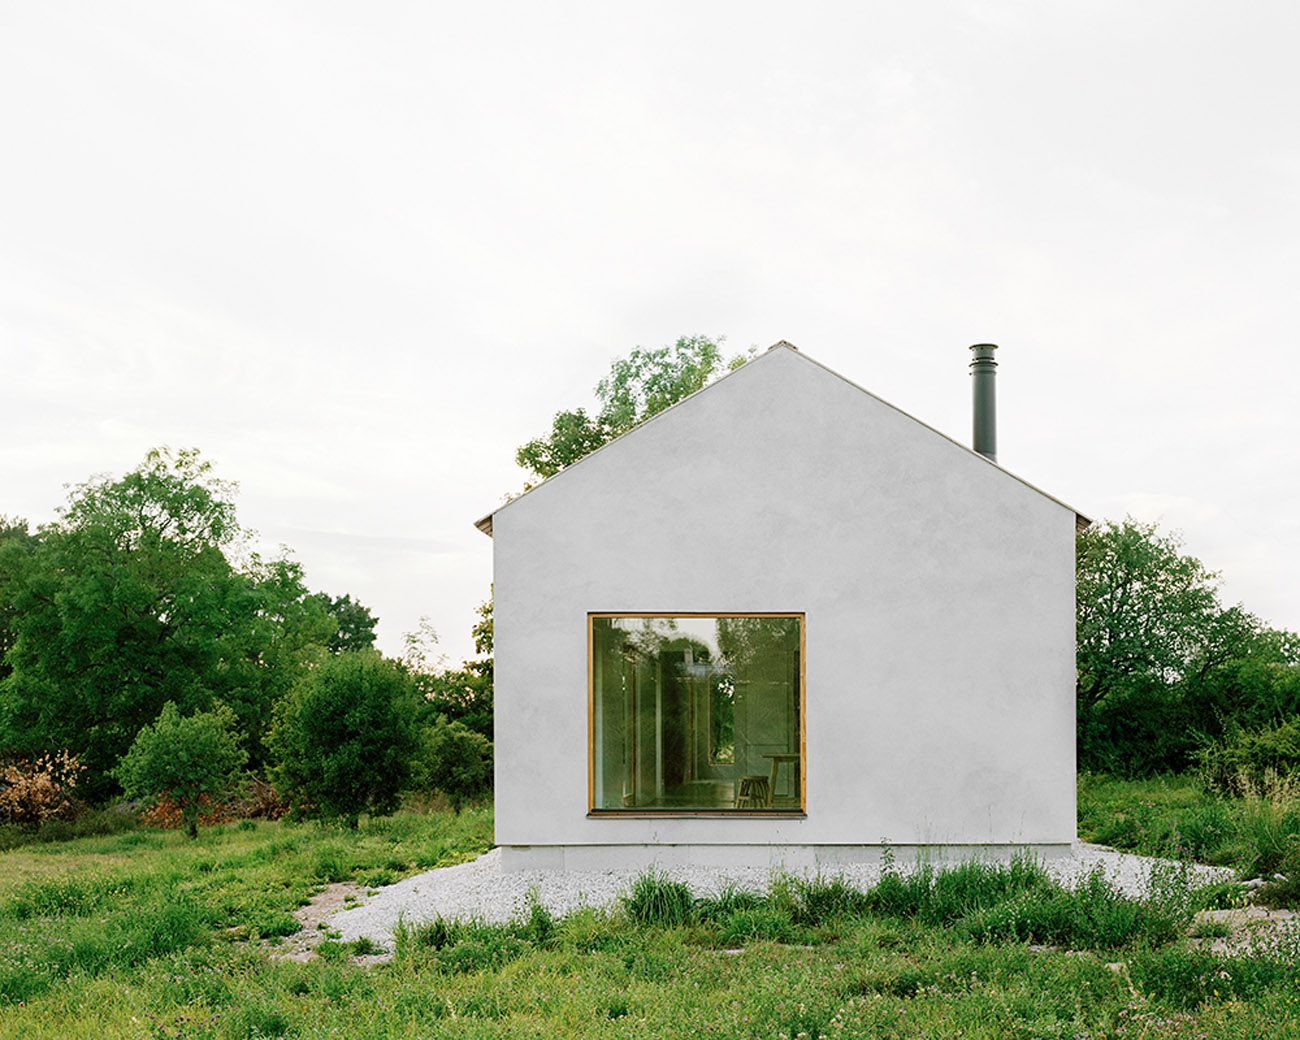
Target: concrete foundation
{"points": [[516, 858]]}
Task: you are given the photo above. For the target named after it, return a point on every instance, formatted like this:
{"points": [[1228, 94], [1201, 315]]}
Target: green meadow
{"points": [[145, 933]]}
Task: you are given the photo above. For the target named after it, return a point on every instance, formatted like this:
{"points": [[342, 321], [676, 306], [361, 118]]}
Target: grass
{"points": [[1259, 835], [116, 907], [143, 934]]}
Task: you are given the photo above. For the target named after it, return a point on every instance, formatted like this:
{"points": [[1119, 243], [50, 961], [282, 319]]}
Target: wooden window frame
{"points": [[594, 812]]}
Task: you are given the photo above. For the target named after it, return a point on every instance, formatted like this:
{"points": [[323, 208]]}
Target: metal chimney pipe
{"points": [[984, 370]]}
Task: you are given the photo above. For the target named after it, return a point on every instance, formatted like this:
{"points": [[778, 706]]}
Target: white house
{"points": [[782, 622]]}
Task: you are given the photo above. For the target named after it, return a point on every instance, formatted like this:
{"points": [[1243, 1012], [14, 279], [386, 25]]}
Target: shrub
{"points": [[455, 760], [344, 737], [185, 759], [90, 823], [1244, 760], [255, 800], [167, 814], [1269, 823], [33, 792]]}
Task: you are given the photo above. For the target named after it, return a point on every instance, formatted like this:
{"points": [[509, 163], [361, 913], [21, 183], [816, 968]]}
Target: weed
{"points": [[618, 1007], [764, 922], [727, 902], [257, 1022], [435, 934], [271, 923], [1185, 978], [1091, 915], [821, 901], [587, 929], [1210, 928], [481, 949], [1284, 892], [656, 900], [1220, 895], [332, 951], [1270, 821], [539, 926]]}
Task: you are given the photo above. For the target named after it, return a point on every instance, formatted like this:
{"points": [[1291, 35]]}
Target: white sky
{"points": [[358, 253]]}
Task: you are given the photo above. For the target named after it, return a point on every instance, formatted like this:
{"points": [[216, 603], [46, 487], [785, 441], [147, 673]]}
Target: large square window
{"points": [[696, 713]]}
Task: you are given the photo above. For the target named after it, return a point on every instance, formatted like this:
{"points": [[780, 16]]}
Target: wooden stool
{"points": [[780, 759], [753, 792]]}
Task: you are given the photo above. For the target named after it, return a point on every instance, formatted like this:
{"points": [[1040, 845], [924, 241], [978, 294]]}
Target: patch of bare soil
{"points": [[301, 946]]}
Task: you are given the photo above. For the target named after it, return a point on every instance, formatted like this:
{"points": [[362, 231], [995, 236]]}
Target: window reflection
{"points": [[696, 713]]}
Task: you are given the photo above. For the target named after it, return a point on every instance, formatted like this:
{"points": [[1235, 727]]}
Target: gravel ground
{"points": [[479, 889]]}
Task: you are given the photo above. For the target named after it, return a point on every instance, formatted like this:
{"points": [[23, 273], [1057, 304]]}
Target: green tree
{"points": [[482, 630], [1162, 665], [455, 760], [461, 694], [132, 599], [638, 386], [345, 736], [356, 625], [15, 542], [1146, 613], [185, 758]]}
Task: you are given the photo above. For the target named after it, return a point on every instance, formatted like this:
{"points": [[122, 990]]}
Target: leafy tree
{"points": [[461, 694], [185, 758], [356, 625], [1163, 667], [1146, 613], [455, 760], [15, 540], [133, 599], [421, 653], [482, 630], [345, 736], [638, 386]]}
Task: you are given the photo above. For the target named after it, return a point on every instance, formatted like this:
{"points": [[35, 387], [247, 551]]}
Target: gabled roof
{"points": [[485, 524]]}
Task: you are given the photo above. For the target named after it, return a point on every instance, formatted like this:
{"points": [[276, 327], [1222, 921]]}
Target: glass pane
{"points": [[696, 713]]}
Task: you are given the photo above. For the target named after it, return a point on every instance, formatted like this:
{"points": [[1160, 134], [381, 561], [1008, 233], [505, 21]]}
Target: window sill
{"points": [[697, 814]]}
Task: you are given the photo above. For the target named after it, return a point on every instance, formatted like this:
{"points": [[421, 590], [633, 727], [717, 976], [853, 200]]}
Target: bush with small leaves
{"points": [[345, 735], [33, 792], [185, 759], [455, 760]]}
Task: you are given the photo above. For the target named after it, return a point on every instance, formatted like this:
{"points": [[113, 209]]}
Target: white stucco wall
{"points": [[938, 592]]}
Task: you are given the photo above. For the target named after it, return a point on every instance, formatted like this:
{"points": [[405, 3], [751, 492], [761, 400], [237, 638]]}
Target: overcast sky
{"points": [[357, 253]]}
